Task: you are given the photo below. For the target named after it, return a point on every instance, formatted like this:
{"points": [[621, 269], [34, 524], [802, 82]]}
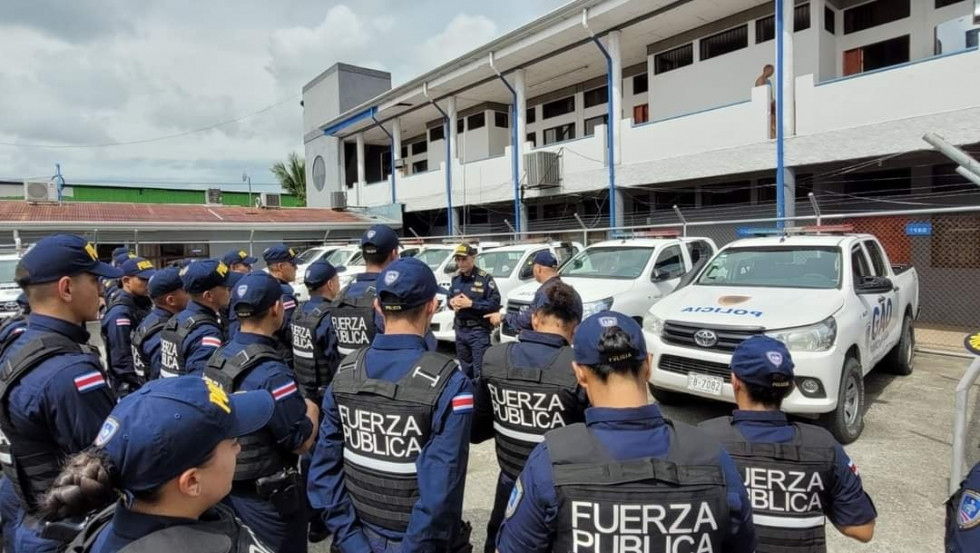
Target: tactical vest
{"points": [[217, 531], [141, 359], [528, 402], [135, 313], [10, 336], [646, 504], [310, 361], [172, 361], [379, 458], [260, 455], [353, 320], [789, 484], [30, 461]]}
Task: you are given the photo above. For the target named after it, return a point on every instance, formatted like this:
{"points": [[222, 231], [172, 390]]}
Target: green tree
{"points": [[292, 175]]}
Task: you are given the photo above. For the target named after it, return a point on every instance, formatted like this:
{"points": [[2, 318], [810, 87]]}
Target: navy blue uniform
{"points": [[629, 433], [232, 324], [290, 427], [200, 344], [285, 334], [359, 286], [441, 464], [151, 345], [11, 327], [324, 338], [65, 399], [117, 326], [521, 320], [963, 516], [472, 330]]}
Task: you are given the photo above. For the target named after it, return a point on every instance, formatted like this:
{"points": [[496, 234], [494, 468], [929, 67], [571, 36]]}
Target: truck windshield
{"points": [[499, 264], [7, 267], [339, 257], [309, 256], [433, 258], [624, 263], [779, 267]]}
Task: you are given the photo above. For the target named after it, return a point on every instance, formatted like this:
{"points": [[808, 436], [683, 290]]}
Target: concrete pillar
{"points": [[451, 137], [360, 169], [616, 95], [620, 200], [451, 162], [789, 70], [789, 194], [520, 85], [396, 132]]}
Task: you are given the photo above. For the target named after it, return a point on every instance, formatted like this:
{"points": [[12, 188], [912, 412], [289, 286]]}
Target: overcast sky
{"points": [[108, 71]]}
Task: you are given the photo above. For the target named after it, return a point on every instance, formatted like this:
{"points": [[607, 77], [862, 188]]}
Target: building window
{"points": [[437, 133], [673, 59], [420, 166], [501, 119], [890, 182], [801, 18], [476, 121], [558, 107], [532, 115], [944, 3], [560, 133], [641, 113], [420, 148], [765, 29], [641, 84], [877, 56], [460, 125], [724, 42], [591, 124], [874, 14], [404, 152], [533, 139], [596, 97], [973, 38]]}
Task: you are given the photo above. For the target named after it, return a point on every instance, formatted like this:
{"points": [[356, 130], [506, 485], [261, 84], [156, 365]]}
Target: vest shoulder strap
{"points": [[143, 331], [121, 299], [31, 354], [237, 366], [364, 300], [425, 381], [497, 357], [692, 445], [559, 369], [85, 539], [181, 538], [574, 444]]}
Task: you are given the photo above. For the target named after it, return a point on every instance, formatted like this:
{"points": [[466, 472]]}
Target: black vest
{"points": [[386, 426], [30, 461], [260, 455], [6, 324], [353, 320], [172, 362], [646, 504], [141, 358], [528, 402], [310, 362], [136, 314], [789, 484], [217, 531]]}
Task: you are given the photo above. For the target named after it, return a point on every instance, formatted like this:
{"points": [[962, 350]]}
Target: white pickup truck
{"points": [[8, 287], [628, 275], [835, 301]]}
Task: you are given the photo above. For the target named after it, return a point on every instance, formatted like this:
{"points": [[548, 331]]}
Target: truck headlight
{"points": [[653, 324], [818, 337], [594, 307]]}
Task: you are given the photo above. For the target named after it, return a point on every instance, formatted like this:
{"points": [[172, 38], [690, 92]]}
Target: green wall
{"points": [[115, 194]]}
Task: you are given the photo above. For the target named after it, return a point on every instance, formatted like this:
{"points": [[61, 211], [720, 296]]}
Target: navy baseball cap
{"points": [[61, 255], [137, 267], [464, 250], [164, 282], [279, 254], [254, 293], [201, 276], [238, 256], [588, 336], [546, 259], [379, 239], [763, 361], [320, 272], [406, 283], [173, 424], [120, 251]]}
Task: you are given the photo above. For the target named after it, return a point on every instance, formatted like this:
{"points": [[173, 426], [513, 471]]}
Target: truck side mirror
{"points": [[874, 285]]}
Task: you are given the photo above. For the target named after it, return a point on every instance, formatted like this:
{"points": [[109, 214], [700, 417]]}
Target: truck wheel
{"points": [[847, 421], [665, 397], [899, 359]]}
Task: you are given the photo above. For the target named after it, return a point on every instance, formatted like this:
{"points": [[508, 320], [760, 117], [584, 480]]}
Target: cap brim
{"points": [[233, 278], [104, 270], [340, 268], [249, 260], [252, 410], [147, 273]]}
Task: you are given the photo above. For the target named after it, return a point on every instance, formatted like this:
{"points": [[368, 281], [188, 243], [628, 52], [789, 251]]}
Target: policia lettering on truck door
{"points": [[390, 464], [527, 389], [315, 354], [124, 312], [628, 479], [53, 391], [268, 491], [169, 298], [797, 475]]}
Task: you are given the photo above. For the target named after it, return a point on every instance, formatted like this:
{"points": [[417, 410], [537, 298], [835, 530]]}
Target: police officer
{"points": [[124, 312], [396, 486], [315, 355], [281, 262], [472, 295], [119, 256], [53, 393], [545, 270], [528, 388], [11, 327], [191, 336], [268, 491], [628, 479], [963, 515], [171, 448], [796, 473], [169, 298], [239, 262]]}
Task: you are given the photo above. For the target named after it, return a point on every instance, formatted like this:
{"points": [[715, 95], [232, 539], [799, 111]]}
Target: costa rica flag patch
{"points": [[463, 403], [89, 381]]}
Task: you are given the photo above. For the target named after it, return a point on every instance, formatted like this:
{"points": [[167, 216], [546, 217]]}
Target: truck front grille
{"points": [[683, 365]]}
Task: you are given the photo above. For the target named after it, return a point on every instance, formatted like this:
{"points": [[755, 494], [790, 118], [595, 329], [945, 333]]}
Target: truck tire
{"points": [[665, 397], [847, 422], [899, 359]]}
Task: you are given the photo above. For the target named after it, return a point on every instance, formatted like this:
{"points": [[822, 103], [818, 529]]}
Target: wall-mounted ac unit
{"points": [[338, 200], [271, 200], [543, 169], [214, 196], [400, 163], [40, 191]]}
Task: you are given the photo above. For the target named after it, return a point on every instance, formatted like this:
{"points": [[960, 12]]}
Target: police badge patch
{"points": [[109, 428], [775, 358], [969, 516], [391, 276], [515, 498], [242, 289], [607, 322]]}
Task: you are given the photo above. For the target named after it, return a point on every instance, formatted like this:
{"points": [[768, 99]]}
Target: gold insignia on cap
{"points": [[242, 254], [90, 250], [292, 253], [183, 270], [217, 395], [222, 269], [144, 265]]}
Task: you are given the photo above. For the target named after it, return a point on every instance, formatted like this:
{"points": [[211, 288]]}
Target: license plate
{"points": [[704, 383]]}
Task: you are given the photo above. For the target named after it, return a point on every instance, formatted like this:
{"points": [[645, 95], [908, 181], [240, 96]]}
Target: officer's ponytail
{"points": [[622, 356], [562, 303], [84, 485]]}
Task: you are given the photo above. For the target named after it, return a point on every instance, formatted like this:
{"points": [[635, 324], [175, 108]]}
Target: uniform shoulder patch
{"points": [[516, 494], [483, 273], [969, 515], [109, 428]]}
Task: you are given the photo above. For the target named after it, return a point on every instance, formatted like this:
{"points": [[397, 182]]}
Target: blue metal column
{"points": [[610, 147], [780, 131], [514, 152], [449, 170], [391, 155]]}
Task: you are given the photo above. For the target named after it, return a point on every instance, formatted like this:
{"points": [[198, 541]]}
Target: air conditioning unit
{"points": [[543, 169], [214, 196], [40, 191], [338, 200], [271, 200], [400, 163]]}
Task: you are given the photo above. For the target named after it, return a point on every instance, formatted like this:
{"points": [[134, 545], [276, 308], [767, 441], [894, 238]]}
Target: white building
{"points": [[864, 80]]}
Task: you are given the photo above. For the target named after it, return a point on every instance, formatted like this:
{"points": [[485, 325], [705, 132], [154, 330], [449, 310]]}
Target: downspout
{"points": [[610, 146], [515, 147], [391, 155], [780, 131], [449, 161]]}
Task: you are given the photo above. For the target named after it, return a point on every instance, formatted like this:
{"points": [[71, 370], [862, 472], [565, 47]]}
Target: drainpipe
{"points": [[449, 161], [610, 146], [515, 147], [251, 241], [780, 127], [391, 155]]}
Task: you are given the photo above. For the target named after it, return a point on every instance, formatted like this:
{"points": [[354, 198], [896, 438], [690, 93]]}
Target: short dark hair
{"points": [[769, 396], [561, 303], [376, 258], [410, 314]]}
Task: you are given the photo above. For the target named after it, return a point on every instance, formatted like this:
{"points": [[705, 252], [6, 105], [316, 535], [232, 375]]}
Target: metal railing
{"points": [[957, 466]]}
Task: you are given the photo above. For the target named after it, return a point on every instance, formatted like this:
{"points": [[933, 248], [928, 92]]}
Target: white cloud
{"points": [[464, 33]]}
